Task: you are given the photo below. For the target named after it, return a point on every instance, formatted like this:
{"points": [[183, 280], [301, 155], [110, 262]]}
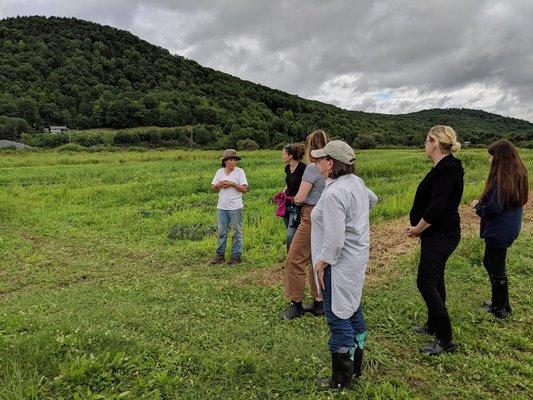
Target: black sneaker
{"points": [[317, 309], [501, 312], [295, 310], [438, 347], [498, 312], [424, 329], [235, 260]]}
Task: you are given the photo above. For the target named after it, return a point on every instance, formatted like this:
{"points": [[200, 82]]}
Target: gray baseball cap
{"points": [[338, 150]]}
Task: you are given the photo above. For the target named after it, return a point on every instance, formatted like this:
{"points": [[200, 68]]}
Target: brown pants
{"points": [[298, 262]]}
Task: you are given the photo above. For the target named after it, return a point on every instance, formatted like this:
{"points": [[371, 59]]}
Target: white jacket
{"points": [[340, 236]]}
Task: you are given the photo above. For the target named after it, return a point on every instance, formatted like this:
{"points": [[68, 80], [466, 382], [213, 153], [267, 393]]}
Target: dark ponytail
{"points": [[296, 150]]}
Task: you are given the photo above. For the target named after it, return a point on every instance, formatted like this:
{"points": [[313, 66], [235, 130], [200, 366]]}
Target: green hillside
{"points": [[84, 75]]}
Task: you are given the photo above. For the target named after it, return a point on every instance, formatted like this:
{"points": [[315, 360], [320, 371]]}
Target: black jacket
{"points": [[438, 197], [500, 225]]}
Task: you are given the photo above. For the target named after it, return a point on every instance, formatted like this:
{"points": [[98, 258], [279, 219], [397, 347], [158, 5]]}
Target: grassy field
{"points": [[105, 291]]}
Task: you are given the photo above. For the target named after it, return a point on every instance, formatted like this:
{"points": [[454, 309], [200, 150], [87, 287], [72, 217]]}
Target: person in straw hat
{"points": [[230, 183], [340, 241]]}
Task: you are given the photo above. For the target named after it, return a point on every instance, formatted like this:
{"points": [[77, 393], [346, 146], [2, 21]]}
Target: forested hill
{"points": [[65, 71]]}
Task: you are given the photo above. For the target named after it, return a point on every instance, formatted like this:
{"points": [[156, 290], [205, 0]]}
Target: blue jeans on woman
{"points": [[292, 220], [345, 334], [227, 219]]}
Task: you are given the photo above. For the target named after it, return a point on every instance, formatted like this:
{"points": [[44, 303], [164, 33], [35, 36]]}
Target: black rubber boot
{"points": [[317, 309], [358, 362], [443, 337], [360, 339], [438, 347], [342, 367], [295, 310], [499, 306]]}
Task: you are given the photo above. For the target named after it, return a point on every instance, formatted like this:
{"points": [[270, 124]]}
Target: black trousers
{"points": [[494, 261], [434, 253]]}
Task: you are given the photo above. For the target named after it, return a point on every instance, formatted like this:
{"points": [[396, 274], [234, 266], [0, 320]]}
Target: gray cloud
{"points": [[383, 55]]}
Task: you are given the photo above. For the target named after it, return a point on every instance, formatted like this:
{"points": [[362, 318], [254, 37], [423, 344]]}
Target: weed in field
{"points": [[190, 232]]}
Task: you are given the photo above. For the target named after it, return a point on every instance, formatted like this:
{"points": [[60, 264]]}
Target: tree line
{"points": [[84, 75]]}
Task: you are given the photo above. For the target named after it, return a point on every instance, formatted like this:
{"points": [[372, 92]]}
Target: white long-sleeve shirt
{"points": [[340, 236]]}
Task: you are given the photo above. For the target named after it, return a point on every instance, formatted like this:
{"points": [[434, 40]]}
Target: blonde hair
{"points": [[446, 137], [314, 141]]}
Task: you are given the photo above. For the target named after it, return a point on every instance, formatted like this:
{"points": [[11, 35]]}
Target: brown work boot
{"points": [[219, 259], [235, 260]]}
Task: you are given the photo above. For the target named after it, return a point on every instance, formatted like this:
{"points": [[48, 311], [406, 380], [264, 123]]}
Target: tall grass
{"points": [[106, 292]]}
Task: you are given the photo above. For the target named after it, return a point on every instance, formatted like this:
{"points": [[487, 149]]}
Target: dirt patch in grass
{"points": [[269, 277], [388, 242]]}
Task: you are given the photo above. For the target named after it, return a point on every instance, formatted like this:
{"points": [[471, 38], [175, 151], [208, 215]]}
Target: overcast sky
{"points": [[386, 56]]}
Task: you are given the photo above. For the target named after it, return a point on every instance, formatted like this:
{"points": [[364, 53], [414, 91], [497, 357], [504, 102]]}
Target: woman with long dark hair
{"points": [[434, 218], [500, 209]]}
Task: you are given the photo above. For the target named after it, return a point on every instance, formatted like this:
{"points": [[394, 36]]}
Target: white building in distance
{"points": [[58, 129]]}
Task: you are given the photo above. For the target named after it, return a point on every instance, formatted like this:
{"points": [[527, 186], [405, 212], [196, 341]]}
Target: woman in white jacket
{"points": [[340, 241]]}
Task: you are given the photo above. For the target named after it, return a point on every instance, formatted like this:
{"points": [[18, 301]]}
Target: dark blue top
{"points": [[500, 225]]}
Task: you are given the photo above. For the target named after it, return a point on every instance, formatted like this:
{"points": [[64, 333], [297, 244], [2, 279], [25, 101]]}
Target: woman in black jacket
{"points": [[500, 209], [434, 218]]}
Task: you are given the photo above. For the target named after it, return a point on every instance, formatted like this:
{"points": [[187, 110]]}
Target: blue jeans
{"points": [[345, 334], [227, 219], [292, 220]]}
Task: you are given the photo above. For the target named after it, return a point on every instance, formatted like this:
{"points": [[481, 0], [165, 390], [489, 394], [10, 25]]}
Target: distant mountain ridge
{"points": [[85, 75]]}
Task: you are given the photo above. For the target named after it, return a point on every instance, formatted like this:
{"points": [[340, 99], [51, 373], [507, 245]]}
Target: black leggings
{"points": [[434, 252], [494, 261]]}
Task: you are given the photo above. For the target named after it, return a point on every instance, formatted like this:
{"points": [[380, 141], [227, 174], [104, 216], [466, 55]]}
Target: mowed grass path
{"points": [[105, 291]]}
